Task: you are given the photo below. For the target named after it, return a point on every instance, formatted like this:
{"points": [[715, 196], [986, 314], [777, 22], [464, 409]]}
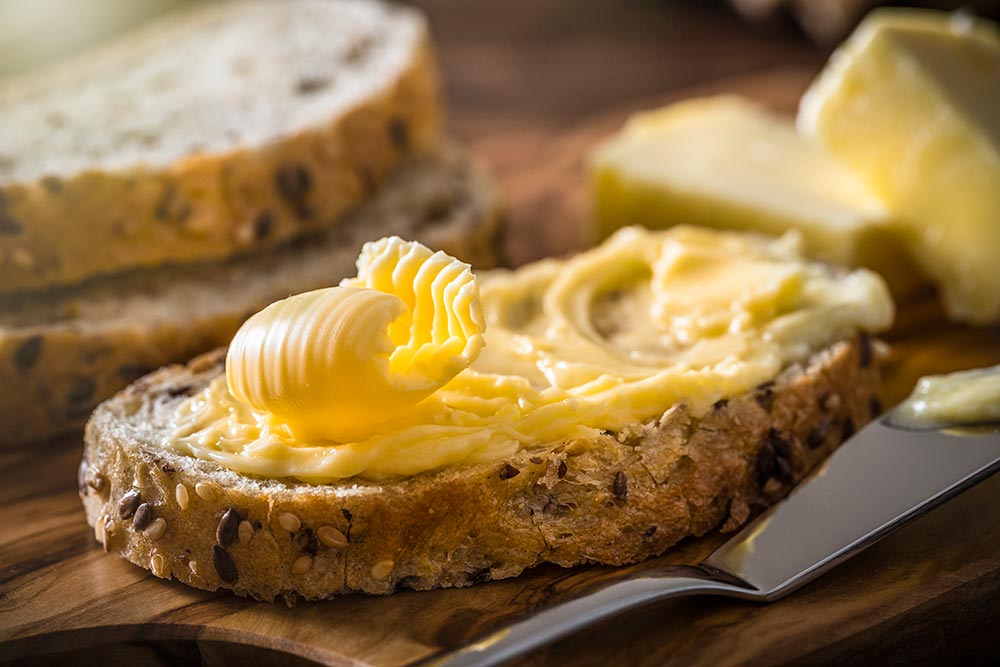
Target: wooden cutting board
{"points": [[931, 590]]}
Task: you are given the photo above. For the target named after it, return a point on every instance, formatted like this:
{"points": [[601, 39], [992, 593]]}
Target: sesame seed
{"points": [[289, 522], [155, 529], [245, 532], [182, 496], [99, 533], [331, 537], [158, 564], [382, 569], [81, 478], [205, 491], [302, 564], [107, 530], [195, 579]]}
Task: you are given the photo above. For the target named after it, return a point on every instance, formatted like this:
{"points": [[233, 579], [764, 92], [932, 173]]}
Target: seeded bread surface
{"points": [[619, 499], [64, 351], [226, 127]]}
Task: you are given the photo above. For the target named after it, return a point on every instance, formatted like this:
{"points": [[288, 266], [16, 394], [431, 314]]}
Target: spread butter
{"points": [[569, 348]]}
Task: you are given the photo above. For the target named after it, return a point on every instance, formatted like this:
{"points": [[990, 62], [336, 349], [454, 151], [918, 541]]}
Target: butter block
{"points": [[911, 103], [726, 163]]}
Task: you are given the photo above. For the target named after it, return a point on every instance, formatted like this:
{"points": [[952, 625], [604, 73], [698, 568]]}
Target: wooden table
{"points": [[532, 85]]}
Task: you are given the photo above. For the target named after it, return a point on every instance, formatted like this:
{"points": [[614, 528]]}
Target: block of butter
{"points": [[911, 103], [724, 162]]}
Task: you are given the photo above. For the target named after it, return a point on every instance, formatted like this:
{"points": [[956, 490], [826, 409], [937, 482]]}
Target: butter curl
{"points": [[337, 363]]}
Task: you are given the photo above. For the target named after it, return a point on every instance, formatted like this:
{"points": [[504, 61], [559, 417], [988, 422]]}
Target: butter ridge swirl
{"points": [[569, 348]]}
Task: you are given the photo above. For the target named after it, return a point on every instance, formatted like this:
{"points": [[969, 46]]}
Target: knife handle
{"points": [[598, 602]]}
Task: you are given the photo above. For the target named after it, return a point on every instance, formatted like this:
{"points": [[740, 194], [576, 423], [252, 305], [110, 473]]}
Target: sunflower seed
{"points": [[229, 523], [143, 515], [128, 504]]}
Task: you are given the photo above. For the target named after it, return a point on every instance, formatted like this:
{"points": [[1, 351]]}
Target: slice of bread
{"points": [[225, 127], [618, 499], [64, 351]]}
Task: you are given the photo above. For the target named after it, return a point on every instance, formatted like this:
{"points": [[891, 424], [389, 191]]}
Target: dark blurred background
{"points": [[501, 59]]}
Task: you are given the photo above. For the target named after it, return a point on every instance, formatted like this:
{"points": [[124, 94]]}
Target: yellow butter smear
{"points": [[372, 381]]}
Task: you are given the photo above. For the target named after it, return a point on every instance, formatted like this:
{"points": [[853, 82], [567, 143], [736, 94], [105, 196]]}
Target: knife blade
{"points": [[876, 482]]}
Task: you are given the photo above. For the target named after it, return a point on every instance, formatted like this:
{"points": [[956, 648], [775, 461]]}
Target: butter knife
{"points": [[879, 480]]}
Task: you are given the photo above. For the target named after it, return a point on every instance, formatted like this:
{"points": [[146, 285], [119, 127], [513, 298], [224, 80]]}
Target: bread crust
{"points": [[208, 206], [619, 499], [63, 352]]}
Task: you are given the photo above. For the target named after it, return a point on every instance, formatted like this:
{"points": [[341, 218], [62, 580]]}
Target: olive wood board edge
{"points": [[62, 599]]}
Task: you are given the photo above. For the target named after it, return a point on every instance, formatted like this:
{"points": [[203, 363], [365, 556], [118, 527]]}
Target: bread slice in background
{"points": [[221, 128], [63, 352], [618, 499]]}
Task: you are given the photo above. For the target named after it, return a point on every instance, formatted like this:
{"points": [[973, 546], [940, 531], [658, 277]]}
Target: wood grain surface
{"points": [[929, 592]]}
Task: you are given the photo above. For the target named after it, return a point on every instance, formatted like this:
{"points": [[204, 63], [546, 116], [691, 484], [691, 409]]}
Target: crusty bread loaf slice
{"points": [[619, 499], [225, 127], [64, 351]]}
